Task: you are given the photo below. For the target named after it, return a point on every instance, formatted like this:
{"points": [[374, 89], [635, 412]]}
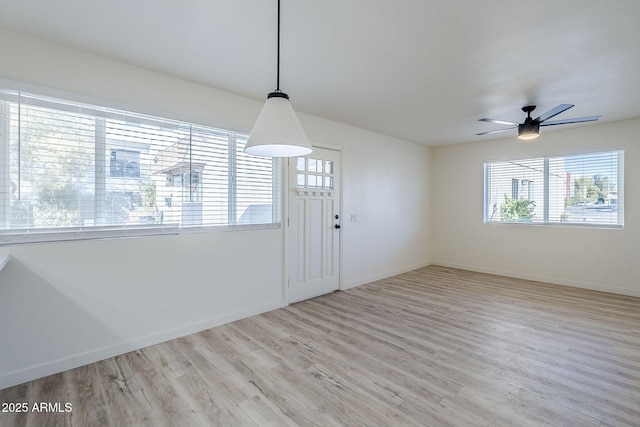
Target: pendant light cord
{"points": [[278, 93], [278, 53]]}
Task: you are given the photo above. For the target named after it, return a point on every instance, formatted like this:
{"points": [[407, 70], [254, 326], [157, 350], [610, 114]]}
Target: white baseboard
{"points": [[75, 361], [541, 278], [380, 276]]}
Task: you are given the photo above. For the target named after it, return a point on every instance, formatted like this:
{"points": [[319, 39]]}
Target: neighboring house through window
{"points": [[585, 189], [72, 167]]}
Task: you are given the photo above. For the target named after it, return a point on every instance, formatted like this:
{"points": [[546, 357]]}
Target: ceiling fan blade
{"points": [[567, 121], [496, 131], [553, 112], [500, 122]]}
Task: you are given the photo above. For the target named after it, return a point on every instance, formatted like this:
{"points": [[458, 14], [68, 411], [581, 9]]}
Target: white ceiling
{"points": [[420, 70]]}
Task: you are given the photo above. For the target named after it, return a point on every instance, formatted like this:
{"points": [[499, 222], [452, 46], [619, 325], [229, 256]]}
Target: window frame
{"points": [[98, 108], [487, 211]]}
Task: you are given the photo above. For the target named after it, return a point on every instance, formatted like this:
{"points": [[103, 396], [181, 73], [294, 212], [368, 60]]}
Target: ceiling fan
{"points": [[530, 129]]}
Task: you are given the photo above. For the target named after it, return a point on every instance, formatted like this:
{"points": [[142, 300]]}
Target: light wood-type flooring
{"points": [[432, 347]]}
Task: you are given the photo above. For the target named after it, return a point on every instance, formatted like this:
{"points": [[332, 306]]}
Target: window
{"points": [[585, 189], [72, 169], [314, 173]]}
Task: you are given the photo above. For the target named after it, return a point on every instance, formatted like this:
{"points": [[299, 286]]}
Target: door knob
{"points": [[337, 226]]}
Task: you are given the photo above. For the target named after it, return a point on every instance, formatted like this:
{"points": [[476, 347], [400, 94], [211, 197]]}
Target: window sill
{"points": [[566, 224], [56, 236]]}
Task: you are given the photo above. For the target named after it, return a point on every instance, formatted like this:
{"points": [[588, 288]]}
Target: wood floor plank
{"points": [[435, 346]]}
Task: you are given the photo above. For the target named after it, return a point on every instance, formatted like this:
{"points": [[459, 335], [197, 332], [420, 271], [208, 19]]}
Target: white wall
{"points": [[67, 304], [594, 258]]}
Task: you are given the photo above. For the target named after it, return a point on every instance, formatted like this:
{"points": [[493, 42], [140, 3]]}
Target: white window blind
{"points": [[72, 169], [255, 181], [577, 189]]}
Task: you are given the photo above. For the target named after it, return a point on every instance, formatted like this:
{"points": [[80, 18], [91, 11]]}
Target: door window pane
{"points": [[314, 173]]}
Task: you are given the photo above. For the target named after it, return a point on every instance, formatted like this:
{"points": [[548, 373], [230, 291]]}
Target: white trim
{"points": [[313, 192], [387, 274], [325, 145], [555, 224], [284, 219], [71, 362], [541, 278], [41, 236], [12, 239]]}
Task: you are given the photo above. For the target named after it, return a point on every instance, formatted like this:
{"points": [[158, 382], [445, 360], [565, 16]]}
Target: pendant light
{"points": [[277, 132]]}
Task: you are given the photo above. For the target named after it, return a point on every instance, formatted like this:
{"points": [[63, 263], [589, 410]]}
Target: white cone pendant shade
{"points": [[277, 132]]}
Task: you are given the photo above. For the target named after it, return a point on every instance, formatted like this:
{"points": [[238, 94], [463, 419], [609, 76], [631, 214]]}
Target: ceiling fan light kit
{"points": [[527, 134], [530, 129], [278, 132]]}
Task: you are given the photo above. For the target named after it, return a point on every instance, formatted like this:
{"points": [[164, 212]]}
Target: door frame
{"points": [[285, 218]]}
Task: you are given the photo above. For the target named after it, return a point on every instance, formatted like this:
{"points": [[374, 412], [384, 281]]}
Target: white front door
{"points": [[313, 255]]}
